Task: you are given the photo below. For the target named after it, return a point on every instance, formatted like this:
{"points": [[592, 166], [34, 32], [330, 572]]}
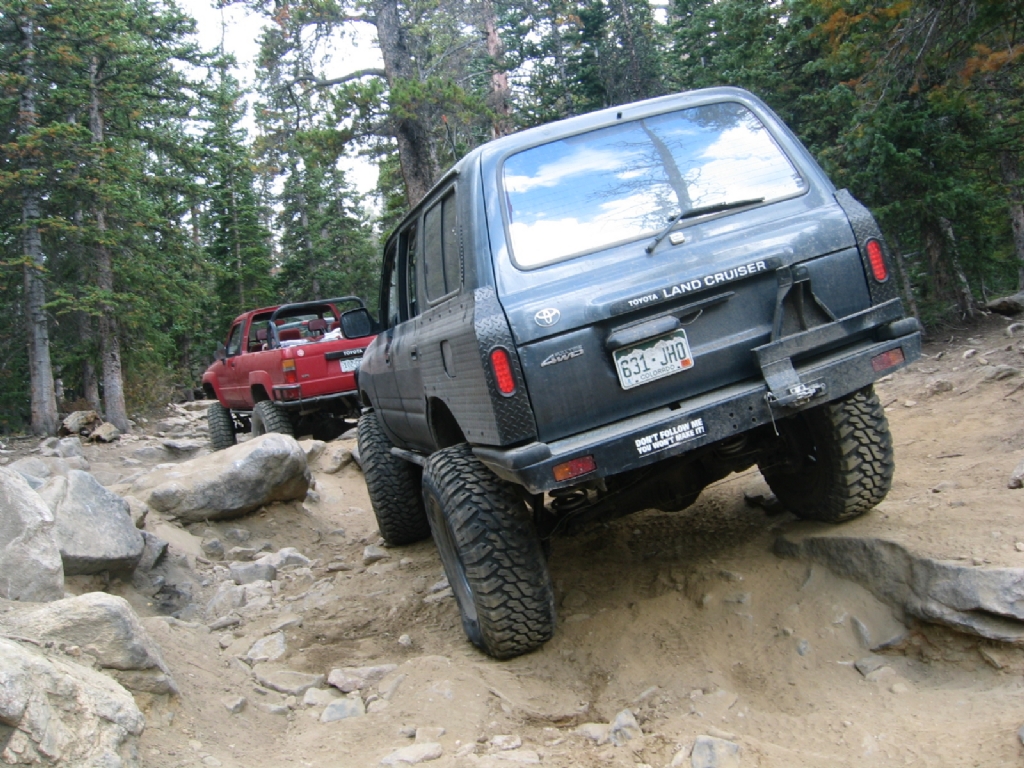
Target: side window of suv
{"points": [[390, 303], [235, 340], [407, 245], [441, 263]]}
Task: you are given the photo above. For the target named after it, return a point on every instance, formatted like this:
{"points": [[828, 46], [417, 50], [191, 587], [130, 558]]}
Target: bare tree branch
{"points": [[322, 83]]}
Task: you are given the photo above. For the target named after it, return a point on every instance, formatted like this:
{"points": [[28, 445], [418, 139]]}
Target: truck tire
{"points": [[841, 459], [222, 427], [393, 485], [267, 417], [491, 553]]}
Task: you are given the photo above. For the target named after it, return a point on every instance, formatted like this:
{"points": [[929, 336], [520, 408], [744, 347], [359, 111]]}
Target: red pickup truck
{"points": [[288, 369]]}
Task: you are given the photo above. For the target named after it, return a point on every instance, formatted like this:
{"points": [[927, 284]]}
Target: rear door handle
{"points": [[414, 352]]}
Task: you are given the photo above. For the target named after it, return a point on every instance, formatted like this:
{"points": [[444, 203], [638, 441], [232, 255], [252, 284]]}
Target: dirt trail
{"points": [[688, 619]]}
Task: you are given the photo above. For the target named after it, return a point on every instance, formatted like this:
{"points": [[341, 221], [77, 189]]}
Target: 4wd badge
{"points": [[547, 317]]}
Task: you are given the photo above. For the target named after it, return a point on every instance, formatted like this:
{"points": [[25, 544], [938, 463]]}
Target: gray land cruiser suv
{"points": [[608, 313]]}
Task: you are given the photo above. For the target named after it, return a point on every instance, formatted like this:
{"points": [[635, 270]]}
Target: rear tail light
{"points": [[290, 376], [887, 360], [501, 364], [876, 258], [574, 468]]}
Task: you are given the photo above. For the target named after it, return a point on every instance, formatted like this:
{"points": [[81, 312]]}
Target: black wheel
{"points": [[267, 417], [491, 552], [393, 485], [222, 427], [838, 462]]}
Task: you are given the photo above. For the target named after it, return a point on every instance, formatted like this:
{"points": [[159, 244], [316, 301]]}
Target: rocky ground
{"points": [[720, 636]]}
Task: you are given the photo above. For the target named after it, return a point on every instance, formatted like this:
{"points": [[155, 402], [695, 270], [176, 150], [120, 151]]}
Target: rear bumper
{"points": [[665, 432]]}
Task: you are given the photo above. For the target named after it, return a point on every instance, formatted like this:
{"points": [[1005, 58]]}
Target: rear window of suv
{"points": [[617, 184]]}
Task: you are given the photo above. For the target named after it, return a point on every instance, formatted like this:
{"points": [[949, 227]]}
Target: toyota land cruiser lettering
{"points": [[605, 315]]}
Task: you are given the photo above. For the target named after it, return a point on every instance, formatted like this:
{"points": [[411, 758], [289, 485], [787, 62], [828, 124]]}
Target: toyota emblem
{"points": [[547, 317]]}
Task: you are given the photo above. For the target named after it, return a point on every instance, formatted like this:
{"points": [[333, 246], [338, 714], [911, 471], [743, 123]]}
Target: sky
{"points": [[240, 30]]}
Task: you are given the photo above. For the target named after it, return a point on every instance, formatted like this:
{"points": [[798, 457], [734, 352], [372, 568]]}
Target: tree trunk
{"points": [[416, 152], [90, 383], [110, 345], [500, 96], [44, 403], [1009, 166], [964, 295], [904, 278]]}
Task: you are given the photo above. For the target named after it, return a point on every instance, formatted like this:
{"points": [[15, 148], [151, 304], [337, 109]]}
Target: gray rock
{"points": [[320, 697], [343, 709], [709, 752], [182, 449], [624, 728], [56, 712], [225, 622], [228, 597], [999, 372], [235, 704], [1008, 305], [313, 448], [105, 433], [1017, 478], [286, 681], [29, 556], [373, 554], [269, 648], [229, 483], [153, 549], [336, 459], [212, 548], [247, 573], [94, 527], [414, 754], [138, 510], [285, 557], [348, 679], [80, 423], [41, 467], [240, 535], [70, 446], [869, 664], [241, 553], [980, 601], [101, 625]]}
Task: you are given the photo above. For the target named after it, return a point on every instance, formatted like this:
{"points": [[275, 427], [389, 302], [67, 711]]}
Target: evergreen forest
{"points": [[146, 198]]}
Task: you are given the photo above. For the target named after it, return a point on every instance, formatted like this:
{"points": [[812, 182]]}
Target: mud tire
{"points": [[840, 459], [221, 425], [491, 552], [393, 485], [267, 417]]}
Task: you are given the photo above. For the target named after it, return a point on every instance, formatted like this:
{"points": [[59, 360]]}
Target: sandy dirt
{"points": [[687, 619]]}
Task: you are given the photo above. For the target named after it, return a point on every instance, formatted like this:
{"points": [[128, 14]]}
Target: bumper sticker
{"points": [[666, 438]]}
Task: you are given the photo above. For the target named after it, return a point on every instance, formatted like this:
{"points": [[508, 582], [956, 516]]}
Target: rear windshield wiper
{"points": [[701, 211]]}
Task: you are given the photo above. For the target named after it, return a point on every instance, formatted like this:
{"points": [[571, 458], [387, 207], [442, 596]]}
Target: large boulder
{"points": [[56, 712], [1008, 305], [95, 531], [29, 556], [229, 483], [102, 626]]}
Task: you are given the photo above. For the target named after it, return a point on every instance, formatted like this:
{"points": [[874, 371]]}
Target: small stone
{"points": [[213, 548], [1019, 546], [373, 554], [624, 728], [225, 622], [428, 734], [881, 674], [596, 732], [898, 688], [349, 679], [343, 709], [269, 648], [225, 640], [909, 403], [437, 597], [869, 664], [803, 647], [419, 584], [235, 704], [1017, 477], [505, 742], [286, 681], [274, 709], [288, 621], [968, 354], [405, 641], [709, 752], [320, 697], [414, 754], [338, 565], [1020, 734]]}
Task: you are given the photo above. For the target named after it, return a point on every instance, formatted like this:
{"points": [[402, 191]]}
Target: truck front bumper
{"points": [[727, 412]]}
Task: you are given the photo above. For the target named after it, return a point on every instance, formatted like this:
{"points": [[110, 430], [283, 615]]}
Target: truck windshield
{"points": [[625, 182]]}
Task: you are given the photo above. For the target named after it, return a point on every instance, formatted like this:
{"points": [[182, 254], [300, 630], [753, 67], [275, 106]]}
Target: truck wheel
{"points": [[840, 462], [393, 485], [267, 417], [491, 553], [222, 426]]}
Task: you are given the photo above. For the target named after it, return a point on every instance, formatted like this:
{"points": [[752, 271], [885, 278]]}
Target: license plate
{"points": [[347, 366], [653, 360]]}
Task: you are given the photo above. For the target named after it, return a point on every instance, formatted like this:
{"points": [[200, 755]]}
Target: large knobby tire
{"points": [[267, 417], [840, 462], [222, 427], [491, 553], [393, 485]]}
